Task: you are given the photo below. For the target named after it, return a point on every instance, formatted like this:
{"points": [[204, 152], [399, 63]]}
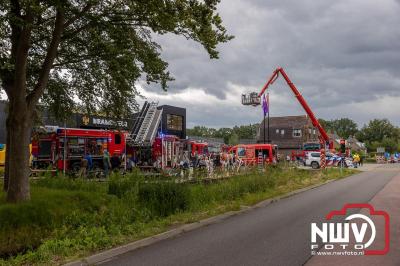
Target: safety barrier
{"points": [[380, 159]]}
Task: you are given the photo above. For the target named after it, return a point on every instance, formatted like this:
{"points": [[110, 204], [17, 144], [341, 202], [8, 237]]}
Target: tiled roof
{"points": [[289, 121]]}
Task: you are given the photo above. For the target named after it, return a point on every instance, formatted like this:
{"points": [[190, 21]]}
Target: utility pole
{"points": [[264, 129], [269, 140]]}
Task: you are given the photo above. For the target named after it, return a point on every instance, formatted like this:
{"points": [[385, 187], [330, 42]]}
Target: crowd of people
{"points": [[212, 163], [184, 164], [110, 163]]}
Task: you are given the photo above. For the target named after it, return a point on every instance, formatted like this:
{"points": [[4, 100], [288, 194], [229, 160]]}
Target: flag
{"points": [[265, 106]]}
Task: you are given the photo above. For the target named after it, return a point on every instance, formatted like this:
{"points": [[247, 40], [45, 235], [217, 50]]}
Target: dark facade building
{"points": [[173, 121], [288, 132], [77, 120]]}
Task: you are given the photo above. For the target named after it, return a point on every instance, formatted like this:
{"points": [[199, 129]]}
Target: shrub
{"points": [[163, 198], [66, 183], [25, 226], [120, 185], [241, 185]]}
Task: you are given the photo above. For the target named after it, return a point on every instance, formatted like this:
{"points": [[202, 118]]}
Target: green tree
{"points": [[54, 52], [224, 133], [326, 124], [377, 130], [390, 144], [233, 139], [242, 132], [344, 127], [200, 131], [246, 131]]}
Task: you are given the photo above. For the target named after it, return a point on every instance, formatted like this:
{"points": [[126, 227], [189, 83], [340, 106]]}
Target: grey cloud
{"points": [[336, 52]]}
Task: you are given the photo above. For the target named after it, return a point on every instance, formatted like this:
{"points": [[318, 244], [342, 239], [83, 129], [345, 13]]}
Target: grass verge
{"points": [[67, 219]]}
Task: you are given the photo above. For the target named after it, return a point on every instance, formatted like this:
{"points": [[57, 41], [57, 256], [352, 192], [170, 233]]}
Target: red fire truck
{"points": [[165, 150], [48, 148], [199, 148], [306, 148], [249, 153]]}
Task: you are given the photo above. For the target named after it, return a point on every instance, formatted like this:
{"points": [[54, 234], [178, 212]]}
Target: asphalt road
{"points": [[278, 234]]}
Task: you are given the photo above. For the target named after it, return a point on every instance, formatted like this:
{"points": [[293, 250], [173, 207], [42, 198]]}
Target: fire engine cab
{"points": [[250, 153], [199, 148]]}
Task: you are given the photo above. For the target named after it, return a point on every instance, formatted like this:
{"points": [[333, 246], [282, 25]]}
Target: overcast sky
{"points": [[343, 55]]}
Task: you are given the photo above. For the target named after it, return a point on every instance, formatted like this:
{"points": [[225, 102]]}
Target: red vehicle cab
{"points": [[48, 149], [307, 148], [249, 153], [199, 148]]}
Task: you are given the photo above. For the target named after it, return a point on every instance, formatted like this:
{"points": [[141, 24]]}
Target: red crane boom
{"points": [[254, 99], [299, 97]]}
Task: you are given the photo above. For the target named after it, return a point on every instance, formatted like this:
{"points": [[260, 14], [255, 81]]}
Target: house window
{"points": [[174, 122], [277, 131], [282, 132], [296, 133], [314, 131]]}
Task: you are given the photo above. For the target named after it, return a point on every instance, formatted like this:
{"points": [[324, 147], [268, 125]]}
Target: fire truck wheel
{"points": [[97, 170], [75, 167], [314, 165]]}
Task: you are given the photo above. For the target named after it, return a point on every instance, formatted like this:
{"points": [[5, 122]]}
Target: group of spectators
{"points": [[110, 163], [222, 162]]}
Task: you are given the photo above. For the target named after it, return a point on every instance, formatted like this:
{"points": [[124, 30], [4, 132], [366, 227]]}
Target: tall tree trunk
{"points": [[19, 131], [6, 167]]}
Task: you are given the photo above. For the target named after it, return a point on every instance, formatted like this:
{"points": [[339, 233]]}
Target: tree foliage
{"points": [[378, 130], [227, 134], [104, 47], [380, 133], [89, 55], [344, 127], [233, 139]]}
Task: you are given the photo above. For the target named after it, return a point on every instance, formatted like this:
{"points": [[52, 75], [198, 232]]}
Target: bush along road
{"points": [[71, 218]]}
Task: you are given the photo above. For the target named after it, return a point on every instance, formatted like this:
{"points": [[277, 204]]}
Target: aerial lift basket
{"points": [[251, 99]]}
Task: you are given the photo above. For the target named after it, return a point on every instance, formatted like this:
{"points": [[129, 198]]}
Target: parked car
{"points": [[313, 159], [393, 159]]}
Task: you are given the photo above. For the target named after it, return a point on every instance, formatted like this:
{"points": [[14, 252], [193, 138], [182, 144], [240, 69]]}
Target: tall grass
{"points": [[67, 218]]}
